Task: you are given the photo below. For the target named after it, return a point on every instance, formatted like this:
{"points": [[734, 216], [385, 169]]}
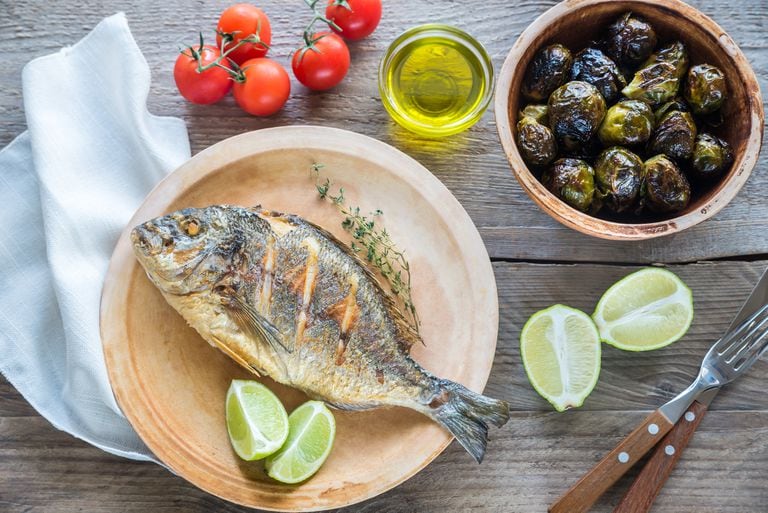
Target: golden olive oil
{"points": [[436, 84]]}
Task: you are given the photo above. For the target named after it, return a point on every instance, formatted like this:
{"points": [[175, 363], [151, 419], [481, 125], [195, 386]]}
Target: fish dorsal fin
{"points": [[252, 321]]}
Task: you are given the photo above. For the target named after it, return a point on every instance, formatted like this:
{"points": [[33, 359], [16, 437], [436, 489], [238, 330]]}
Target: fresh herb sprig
{"points": [[372, 241]]}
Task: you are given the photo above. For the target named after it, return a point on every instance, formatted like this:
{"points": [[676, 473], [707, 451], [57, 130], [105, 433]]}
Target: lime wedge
{"points": [[560, 348], [256, 420], [312, 429], [646, 310]]}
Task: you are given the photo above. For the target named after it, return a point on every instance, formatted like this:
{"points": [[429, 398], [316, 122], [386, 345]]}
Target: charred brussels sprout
{"points": [[618, 175], [629, 122], [573, 181], [676, 104], [675, 54], [675, 136], [630, 40], [547, 71], [659, 79], [594, 67], [705, 88], [536, 142], [711, 156], [665, 188], [576, 110], [538, 112]]}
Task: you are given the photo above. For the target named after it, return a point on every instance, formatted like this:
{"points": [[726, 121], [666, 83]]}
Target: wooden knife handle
{"points": [[647, 485], [594, 483]]}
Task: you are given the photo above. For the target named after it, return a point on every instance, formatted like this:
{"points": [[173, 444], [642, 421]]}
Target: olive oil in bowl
{"points": [[435, 80]]}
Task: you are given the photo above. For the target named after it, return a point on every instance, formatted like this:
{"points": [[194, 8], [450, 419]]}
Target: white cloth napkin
{"points": [[68, 187]]}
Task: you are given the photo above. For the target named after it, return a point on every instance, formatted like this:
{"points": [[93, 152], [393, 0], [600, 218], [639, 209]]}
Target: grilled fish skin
{"points": [[285, 298]]}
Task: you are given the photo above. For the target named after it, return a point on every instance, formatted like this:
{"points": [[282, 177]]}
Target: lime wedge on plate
{"points": [[312, 429], [646, 310], [256, 420], [560, 348]]}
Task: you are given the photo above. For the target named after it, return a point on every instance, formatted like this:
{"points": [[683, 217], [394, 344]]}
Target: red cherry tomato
{"points": [[356, 22], [207, 87], [243, 20], [265, 89], [324, 65]]}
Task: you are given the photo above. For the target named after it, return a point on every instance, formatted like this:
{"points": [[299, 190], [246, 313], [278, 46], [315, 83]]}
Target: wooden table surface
{"points": [[537, 263]]}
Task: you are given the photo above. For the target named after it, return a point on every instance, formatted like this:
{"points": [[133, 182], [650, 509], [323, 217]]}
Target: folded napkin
{"points": [[70, 184]]}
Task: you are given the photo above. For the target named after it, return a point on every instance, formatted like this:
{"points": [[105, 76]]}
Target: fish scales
{"points": [[284, 298]]}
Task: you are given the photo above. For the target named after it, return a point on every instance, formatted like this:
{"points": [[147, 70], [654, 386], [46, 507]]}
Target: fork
{"points": [[726, 360]]}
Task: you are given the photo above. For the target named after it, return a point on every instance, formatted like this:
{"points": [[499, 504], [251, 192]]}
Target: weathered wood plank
{"points": [[471, 164], [529, 462]]}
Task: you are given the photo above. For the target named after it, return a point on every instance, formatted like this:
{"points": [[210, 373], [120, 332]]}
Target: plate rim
{"points": [[296, 137]]}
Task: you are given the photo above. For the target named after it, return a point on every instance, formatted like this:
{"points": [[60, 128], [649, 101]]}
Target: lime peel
{"points": [[257, 422]]}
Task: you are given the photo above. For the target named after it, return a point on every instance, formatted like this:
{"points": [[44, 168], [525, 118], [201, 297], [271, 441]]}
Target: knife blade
{"points": [[649, 482]]}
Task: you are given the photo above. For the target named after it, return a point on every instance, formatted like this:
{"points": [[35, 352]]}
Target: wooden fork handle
{"points": [[649, 482], [594, 483]]}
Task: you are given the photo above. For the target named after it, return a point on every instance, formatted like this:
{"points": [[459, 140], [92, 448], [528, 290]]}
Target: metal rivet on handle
{"points": [[669, 450], [690, 416], [623, 457], [653, 429]]}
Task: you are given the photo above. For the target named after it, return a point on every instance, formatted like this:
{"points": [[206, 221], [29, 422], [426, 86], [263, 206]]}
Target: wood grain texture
{"points": [[471, 164], [529, 462], [580, 497], [651, 478]]}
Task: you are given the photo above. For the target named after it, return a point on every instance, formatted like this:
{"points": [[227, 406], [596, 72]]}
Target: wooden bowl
{"points": [[171, 384], [575, 23]]}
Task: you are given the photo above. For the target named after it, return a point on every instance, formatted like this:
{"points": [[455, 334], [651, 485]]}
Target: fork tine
{"points": [[734, 340], [748, 341], [755, 352]]}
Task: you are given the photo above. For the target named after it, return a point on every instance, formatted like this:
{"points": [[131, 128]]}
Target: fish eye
{"points": [[191, 227]]}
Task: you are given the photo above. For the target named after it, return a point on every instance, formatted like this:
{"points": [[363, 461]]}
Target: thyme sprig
{"points": [[372, 241]]}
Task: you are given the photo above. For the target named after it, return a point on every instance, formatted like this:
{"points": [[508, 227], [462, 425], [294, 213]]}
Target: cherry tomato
{"points": [[356, 22], [243, 20], [324, 65], [265, 89], [207, 87]]}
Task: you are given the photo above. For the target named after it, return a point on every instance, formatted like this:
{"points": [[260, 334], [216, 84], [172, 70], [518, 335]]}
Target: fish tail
{"points": [[466, 415]]}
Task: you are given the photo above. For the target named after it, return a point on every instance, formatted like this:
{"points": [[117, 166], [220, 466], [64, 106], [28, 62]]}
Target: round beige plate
{"points": [[171, 384]]}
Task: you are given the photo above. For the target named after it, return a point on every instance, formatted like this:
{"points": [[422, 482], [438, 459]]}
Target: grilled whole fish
{"points": [[284, 298]]}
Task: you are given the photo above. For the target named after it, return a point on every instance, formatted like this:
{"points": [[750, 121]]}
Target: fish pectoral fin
{"points": [[255, 323], [236, 357]]}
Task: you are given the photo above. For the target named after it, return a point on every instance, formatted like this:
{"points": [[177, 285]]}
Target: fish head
{"points": [[187, 251]]}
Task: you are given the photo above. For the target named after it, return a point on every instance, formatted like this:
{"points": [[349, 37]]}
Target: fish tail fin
{"points": [[466, 415]]}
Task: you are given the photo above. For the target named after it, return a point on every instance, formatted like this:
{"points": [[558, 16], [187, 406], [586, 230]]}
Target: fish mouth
{"points": [[147, 240]]}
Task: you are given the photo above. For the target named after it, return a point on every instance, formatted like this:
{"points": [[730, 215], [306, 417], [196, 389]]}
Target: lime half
{"points": [[312, 430], [560, 347], [256, 420], [646, 310]]}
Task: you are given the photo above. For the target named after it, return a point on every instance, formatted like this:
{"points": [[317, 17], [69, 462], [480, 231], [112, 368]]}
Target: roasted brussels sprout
{"points": [[675, 54], [705, 88], [711, 156], [618, 175], [630, 40], [576, 110], [538, 112], [658, 80], [571, 180], [547, 71], [594, 67], [629, 122], [536, 142], [672, 105], [665, 188], [675, 136]]}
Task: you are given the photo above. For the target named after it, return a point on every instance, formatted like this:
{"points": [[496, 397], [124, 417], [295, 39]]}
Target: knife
{"points": [[649, 482], [728, 358]]}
